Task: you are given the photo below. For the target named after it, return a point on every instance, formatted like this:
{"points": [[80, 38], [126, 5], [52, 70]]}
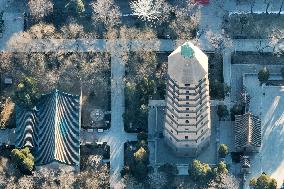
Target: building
{"points": [[187, 126], [247, 133], [51, 129]]}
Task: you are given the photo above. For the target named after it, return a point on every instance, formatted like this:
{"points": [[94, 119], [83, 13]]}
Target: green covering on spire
{"points": [[186, 51]]}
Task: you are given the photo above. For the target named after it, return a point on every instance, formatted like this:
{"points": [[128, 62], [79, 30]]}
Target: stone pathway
{"points": [[116, 136]]}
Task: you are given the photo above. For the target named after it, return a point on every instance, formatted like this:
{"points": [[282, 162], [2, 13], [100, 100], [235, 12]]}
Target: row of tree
{"points": [[212, 177], [182, 17]]}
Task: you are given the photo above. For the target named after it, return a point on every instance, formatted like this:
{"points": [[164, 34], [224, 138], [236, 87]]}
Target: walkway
{"points": [[116, 136]]}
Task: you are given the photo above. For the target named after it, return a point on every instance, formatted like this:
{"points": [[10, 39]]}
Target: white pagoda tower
{"points": [[187, 124]]}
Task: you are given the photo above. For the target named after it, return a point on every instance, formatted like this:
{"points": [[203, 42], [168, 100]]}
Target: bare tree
{"points": [[268, 3], [226, 181], [252, 4], [277, 41], [95, 175], [157, 180], [107, 12], [150, 10], [131, 183], [218, 41], [72, 30], [40, 8], [186, 20]]}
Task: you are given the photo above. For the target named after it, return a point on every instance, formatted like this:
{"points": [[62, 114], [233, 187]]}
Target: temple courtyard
{"points": [[267, 102]]}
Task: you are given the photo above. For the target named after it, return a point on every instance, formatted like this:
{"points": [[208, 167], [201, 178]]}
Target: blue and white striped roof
{"points": [[51, 128]]}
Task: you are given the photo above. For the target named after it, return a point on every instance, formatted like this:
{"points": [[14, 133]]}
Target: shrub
{"points": [[263, 75], [223, 150], [23, 159], [141, 155]]}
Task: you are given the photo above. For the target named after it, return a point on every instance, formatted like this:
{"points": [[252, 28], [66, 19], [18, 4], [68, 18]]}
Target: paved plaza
{"points": [[268, 103], [237, 76]]}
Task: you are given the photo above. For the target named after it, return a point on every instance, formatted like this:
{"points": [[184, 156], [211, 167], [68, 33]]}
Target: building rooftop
{"points": [[187, 64], [247, 130], [51, 129]]}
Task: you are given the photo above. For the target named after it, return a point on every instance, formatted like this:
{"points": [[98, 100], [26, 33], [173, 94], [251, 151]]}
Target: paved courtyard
{"points": [[237, 76], [268, 103]]}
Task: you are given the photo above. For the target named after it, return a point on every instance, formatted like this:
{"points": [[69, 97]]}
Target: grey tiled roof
{"points": [[51, 128], [247, 130]]}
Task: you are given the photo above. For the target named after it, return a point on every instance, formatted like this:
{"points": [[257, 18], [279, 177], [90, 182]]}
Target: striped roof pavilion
{"points": [[51, 128]]}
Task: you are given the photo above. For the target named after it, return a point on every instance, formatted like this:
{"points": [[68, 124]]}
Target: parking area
{"points": [[268, 103]]}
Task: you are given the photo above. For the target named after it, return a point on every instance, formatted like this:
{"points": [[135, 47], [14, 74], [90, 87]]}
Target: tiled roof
{"points": [[51, 128], [247, 130]]}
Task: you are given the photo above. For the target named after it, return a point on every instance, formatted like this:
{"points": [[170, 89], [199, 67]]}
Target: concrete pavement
{"points": [[116, 136]]}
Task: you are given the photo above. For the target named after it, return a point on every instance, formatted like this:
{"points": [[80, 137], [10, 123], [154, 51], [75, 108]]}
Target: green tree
{"points": [[263, 75], [221, 168], [23, 159], [263, 182], [199, 171], [141, 155], [223, 150], [252, 182], [237, 109], [219, 90], [222, 111], [27, 92]]}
